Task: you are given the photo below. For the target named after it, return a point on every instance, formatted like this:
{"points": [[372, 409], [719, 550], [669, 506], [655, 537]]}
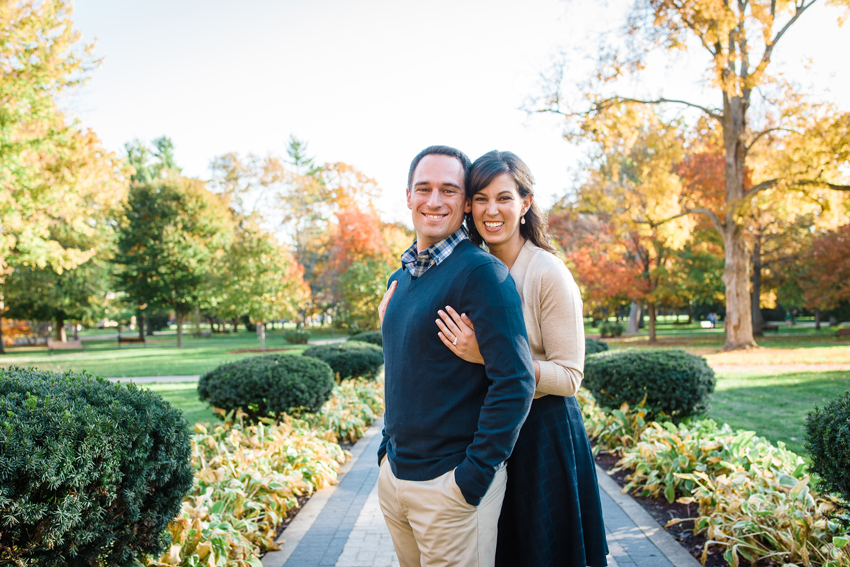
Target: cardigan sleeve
{"points": [[562, 332]]}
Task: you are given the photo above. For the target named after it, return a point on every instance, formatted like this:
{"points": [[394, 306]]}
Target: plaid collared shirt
{"points": [[418, 264]]}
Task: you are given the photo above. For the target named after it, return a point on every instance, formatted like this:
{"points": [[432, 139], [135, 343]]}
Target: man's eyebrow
{"points": [[444, 184]]}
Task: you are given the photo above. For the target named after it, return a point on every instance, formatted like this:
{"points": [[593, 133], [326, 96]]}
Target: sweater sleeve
{"points": [[562, 331], [491, 301]]}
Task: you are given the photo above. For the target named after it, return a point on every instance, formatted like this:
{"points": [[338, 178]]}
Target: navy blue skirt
{"points": [[552, 514]]}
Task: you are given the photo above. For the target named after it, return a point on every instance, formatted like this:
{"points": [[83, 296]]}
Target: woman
{"points": [[551, 513]]}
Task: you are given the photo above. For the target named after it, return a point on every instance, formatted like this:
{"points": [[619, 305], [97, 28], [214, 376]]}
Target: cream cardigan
{"points": [[551, 306]]}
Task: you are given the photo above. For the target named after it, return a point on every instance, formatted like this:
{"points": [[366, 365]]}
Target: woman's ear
{"points": [[526, 203]]}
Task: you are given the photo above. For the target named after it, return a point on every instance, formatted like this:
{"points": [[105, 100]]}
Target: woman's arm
{"points": [[561, 328]]}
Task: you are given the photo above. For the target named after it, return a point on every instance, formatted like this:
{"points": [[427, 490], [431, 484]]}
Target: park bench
{"points": [[205, 334], [770, 328], [129, 340], [843, 333], [67, 345]]}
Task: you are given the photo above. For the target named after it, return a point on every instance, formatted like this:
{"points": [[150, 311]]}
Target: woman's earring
{"points": [[522, 220]]}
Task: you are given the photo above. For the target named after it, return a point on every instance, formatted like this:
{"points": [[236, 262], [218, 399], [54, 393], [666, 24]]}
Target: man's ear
{"points": [[467, 205], [407, 192]]}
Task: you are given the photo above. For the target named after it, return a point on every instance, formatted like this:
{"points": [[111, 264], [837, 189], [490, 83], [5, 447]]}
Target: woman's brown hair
{"points": [[487, 168]]}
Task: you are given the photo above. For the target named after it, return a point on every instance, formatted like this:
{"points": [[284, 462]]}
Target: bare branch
{"points": [[769, 184], [768, 131], [607, 102], [826, 184], [771, 44], [695, 211]]}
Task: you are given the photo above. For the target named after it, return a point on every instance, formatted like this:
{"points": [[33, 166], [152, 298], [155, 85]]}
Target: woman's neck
{"points": [[508, 252]]}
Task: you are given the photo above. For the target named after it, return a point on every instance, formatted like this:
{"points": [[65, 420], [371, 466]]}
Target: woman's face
{"points": [[497, 210]]}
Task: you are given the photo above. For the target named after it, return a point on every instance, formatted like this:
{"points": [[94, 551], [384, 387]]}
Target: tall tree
{"points": [[259, 277], [174, 231], [803, 143], [633, 190], [52, 174]]}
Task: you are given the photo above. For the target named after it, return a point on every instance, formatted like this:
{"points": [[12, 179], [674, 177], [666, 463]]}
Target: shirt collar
{"points": [[417, 263]]}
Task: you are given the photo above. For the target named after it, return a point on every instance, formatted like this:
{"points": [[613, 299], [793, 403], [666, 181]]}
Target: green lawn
{"points": [[774, 404], [184, 396], [159, 358]]}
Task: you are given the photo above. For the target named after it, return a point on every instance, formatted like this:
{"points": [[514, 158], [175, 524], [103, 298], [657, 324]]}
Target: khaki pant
{"points": [[432, 525]]}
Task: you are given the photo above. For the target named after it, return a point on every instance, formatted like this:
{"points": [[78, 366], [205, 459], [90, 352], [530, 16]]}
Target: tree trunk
{"points": [[739, 318], [261, 331], [2, 348], [633, 325], [650, 307], [758, 321], [817, 319], [690, 313], [179, 329], [77, 331], [235, 325], [60, 330], [141, 319]]}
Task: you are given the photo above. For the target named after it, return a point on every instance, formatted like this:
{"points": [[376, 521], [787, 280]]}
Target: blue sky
{"points": [[370, 82]]}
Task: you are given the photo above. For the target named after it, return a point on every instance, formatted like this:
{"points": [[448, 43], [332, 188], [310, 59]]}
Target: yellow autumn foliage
{"points": [[249, 476]]}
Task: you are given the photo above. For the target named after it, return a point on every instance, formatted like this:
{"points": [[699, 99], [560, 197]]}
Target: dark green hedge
{"points": [[268, 385], [350, 359], [371, 337], [828, 445], [676, 384], [593, 346], [90, 472]]}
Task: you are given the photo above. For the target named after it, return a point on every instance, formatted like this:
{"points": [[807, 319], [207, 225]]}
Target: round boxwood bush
{"points": [[828, 445], [297, 337], [264, 386], [91, 473], [593, 346], [371, 337], [676, 384], [610, 329], [350, 359]]}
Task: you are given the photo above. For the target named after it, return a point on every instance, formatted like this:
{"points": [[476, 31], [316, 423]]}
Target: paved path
{"points": [[343, 526]]}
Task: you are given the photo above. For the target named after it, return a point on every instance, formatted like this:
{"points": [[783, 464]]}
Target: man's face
{"points": [[436, 197]]}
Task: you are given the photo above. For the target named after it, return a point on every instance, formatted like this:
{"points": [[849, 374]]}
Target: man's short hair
{"points": [[440, 151]]}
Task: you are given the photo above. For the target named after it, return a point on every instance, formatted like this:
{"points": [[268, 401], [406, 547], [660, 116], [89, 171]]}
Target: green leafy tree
{"points": [[260, 278], [174, 234]]}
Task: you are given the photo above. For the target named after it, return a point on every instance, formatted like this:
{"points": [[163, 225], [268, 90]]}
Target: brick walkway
{"points": [[343, 526]]}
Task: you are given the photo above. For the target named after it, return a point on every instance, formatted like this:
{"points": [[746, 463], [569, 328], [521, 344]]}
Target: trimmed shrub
{"points": [[610, 329], [828, 445], [91, 473], [371, 337], [676, 384], [593, 346], [297, 337], [268, 385], [350, 359]]}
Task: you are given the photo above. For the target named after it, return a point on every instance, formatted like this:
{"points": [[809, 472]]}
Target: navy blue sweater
{"points": [[443, 412]]}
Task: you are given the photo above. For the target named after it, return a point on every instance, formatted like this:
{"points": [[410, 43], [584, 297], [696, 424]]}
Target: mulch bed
{"points": [[241, 350], [662, 512]]}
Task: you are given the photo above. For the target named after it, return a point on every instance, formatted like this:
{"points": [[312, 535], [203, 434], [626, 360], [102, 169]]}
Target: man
{"points": [[449, 424]]}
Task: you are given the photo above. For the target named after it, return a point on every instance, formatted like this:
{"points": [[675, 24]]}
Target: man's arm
{"points": [[490, 299]]}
